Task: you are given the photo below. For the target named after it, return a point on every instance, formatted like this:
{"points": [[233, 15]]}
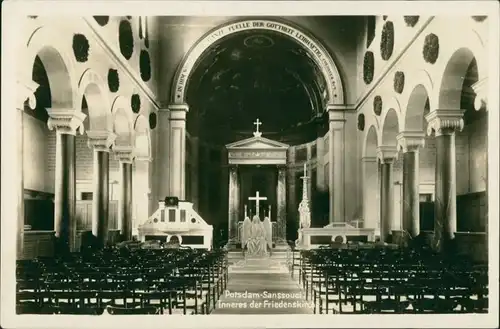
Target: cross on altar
{"points": [[257, 199]]}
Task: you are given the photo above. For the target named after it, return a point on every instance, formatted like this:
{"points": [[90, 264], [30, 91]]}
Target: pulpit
{"points": [[180, 221]]}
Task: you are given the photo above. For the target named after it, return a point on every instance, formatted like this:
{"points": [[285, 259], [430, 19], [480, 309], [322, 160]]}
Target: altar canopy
{"points": [[257, 186]]}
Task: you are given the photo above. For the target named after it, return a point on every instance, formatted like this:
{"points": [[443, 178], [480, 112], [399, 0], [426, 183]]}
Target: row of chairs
{"points": [[171, 280], [394, 281]]}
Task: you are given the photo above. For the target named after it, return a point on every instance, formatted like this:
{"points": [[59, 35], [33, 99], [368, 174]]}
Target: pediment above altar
{"points": [[257, 143], [257, 150]]}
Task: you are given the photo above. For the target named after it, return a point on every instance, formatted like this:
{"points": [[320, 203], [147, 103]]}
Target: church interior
{"points": [[324, 164]]}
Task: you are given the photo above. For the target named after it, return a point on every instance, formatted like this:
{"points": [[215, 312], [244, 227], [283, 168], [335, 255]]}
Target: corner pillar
{"points": [[26, 92], [177, 141]]}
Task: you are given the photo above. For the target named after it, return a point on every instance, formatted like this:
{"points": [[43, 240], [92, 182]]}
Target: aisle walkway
{"points": [[261, 287]]}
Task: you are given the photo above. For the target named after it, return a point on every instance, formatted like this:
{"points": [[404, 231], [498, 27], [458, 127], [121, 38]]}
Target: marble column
{"points": [[125, 157], [26, 92], [177, 142], [100, 142], [66, 122], [281, 205], [336, 167], [409, 142], [386, 155], [233, 205], [371, 206], [444, 123]]}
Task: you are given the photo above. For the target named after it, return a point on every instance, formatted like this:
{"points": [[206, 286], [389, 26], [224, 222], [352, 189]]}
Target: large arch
{"points": [[92, 87], [317, 52], [123, 122], [452, 65], [58, 64]]}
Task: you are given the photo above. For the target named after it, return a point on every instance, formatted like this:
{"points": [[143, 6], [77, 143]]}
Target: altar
{"points": [[177, 220], [257, 185]]}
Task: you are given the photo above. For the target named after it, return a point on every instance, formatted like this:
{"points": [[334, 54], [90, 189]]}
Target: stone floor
{"points": [[261, 286]]}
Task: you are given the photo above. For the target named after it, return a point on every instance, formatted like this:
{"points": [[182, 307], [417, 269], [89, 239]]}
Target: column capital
{"points": [[410, 141], [445, 122], [124, 154], [481, 90], [387, 153], [66, 120], [26, 91], [100, 140]]}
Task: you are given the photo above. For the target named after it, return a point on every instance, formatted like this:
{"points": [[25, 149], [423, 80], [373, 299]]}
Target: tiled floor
{"points": [[256, 292]]}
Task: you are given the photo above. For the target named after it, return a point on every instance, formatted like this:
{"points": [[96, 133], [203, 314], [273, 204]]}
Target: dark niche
{"points": [[368, 67], [126, 39], [361, 122], [81, 48], [377, 105], [145, 65], [399, 82], [135, 103], [113, 80], [431, 48], [152, 120], [387, 41], [411, 21], [102, 20]]}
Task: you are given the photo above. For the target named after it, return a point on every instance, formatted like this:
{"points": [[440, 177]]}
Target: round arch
{"points": [[420, 95], [390, 128], [455, 58], [371, 142], [317, 52], [58, 64], [122, 122], [92, 86], [142, 148]]}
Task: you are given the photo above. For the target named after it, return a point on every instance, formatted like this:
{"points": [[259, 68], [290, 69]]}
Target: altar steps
{"points": [[275, 263]]}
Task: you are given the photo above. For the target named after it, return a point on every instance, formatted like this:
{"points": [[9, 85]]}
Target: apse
{"points": [[256, 74]]}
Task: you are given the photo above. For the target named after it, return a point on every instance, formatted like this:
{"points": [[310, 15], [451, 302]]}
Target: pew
{"points": [[385, 280], [122, 281]]}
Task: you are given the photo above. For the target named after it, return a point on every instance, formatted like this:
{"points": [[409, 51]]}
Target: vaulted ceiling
{"points": [[250, 75]]}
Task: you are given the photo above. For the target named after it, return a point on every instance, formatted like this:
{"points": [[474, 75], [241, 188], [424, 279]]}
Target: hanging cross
{"points": [[257, 199], [257, 123]]}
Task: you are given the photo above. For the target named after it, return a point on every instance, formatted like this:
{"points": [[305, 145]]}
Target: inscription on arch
{"points": [[314, 48]]}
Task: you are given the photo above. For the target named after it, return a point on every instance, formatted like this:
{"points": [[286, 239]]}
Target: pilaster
{"points": [[337, 121]]}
